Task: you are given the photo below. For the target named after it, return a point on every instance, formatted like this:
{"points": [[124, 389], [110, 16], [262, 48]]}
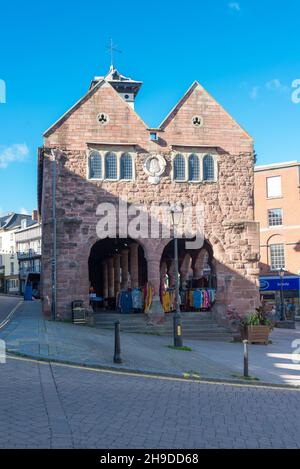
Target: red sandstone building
{"points": [[277, 209], [101, 151]]}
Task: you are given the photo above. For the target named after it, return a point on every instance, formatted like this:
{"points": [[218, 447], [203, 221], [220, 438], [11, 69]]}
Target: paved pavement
{"points": [[45, 405], [29, 334], [7, 303]]}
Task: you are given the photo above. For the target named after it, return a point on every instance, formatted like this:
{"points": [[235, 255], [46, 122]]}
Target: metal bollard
{"points": [[117, 355], [246, 359]]}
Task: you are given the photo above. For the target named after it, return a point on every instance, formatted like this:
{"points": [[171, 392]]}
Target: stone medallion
{"points": [[154, 167]]}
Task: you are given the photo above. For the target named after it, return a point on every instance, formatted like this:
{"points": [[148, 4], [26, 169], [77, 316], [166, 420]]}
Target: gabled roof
{"points": [[90, 92], [184, 98], [13, 220], [84, 98]]}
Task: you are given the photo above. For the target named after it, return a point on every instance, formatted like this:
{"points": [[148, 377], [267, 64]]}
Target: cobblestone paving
{"points": [[52, 406]]}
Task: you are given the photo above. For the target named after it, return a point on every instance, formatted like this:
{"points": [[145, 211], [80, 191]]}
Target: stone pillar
{"points": [[124, 267], [104, 279], [134, 265], [184, 269], [117, 272], [156, 309], [171, 274], [111, 289], [163, 272]]}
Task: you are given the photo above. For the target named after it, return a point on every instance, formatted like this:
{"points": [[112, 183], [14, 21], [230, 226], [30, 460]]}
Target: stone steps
{"points": [[194, 325]]}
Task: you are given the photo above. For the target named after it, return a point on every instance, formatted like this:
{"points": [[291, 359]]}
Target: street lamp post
{"points": [[281, 274], [176, 215]]}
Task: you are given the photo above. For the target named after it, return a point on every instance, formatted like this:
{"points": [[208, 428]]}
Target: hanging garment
{"points": [[198, 299], [148, 294], [125, 300], [137, 298], [166, 301]]}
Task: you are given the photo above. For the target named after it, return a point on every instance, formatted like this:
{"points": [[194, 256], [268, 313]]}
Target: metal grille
{"points": [[95, 164], [277, 256], [126, 166], [179, 168], [194, 168], [208, 168], [111, 171], [275, 217]]}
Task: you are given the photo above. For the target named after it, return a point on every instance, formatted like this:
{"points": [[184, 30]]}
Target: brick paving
{"points": [[29, 334], [54, 406]]}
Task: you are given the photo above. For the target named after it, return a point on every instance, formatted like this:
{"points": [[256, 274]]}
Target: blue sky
{"points": [[245, 53]]}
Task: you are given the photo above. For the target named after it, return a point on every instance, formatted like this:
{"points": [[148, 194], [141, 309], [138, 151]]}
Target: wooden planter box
{"points": [[257, 334]]}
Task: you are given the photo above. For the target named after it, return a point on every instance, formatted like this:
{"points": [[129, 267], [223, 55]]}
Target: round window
{"points": [[197, 121], [103, 118]]}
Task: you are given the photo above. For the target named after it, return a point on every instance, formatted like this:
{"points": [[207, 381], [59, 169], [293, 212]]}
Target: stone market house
{"points": [[102, 151]]}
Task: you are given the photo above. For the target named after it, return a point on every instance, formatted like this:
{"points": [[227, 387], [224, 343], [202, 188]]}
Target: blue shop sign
{"points": [[274, 284]]}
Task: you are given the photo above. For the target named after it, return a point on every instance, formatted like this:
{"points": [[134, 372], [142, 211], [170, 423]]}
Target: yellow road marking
{"points": [[8, 318], [152, 376]]}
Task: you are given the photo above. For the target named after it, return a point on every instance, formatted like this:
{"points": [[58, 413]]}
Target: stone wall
{"points": [[229, 225]]}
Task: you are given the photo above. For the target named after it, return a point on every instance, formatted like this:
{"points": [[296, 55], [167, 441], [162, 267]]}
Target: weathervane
{"points": [[112, 48]]}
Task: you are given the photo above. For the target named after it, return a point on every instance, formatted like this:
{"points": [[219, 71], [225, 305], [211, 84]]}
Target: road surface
{"points": [[7, 303], [44, 405]]}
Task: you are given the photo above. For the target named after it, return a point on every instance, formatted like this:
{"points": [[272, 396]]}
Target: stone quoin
{"points": [[104, 151]]}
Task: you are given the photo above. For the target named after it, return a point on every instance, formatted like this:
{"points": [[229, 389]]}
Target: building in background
{"points": [[277, 208], [9, 265], [28, 246]]}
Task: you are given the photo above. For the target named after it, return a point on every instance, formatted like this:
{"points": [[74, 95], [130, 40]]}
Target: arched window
{"points": [[179, 167], [126, 166], [111, 171], [194, 168], [208, 168], [95, 165]]}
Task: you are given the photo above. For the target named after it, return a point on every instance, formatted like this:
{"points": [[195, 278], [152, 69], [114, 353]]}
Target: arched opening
{"points": [[116, 266], [197, 277]]}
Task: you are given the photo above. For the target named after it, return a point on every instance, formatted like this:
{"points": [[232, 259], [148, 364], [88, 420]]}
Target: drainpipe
{"points": [[54, 226]]}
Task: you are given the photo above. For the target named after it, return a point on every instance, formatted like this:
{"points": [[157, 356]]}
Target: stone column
{"points": [[104, 279], [184, 269], [124, 267], [156, 309], [163, 272], [117, 272], [134, 265], [111, 289], [171, 274]]}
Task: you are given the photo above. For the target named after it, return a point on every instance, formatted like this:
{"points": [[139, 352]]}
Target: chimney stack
{"points": [[34, 215]]}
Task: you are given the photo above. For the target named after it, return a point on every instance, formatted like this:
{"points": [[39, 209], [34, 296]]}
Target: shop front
{"points": [[272, 289]]}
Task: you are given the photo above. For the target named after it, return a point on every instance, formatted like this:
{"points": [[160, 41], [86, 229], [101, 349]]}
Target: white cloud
{"points": [[16, 152], [24, 211], [234, 6], [276, 85]]}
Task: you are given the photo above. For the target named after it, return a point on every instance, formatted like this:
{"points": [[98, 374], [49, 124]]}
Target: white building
{"points": [[28, 244], [9, 264]]}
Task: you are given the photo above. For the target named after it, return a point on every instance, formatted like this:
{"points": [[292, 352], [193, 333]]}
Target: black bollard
{"points": [[246, 359], [117, 355]]}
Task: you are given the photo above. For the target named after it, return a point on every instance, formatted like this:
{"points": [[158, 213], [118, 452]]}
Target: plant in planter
{"points": [[257, 326]]}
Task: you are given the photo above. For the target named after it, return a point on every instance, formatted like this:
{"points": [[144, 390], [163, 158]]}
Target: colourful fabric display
{"points": [[124, 302], [148, 295], [137, 298]]}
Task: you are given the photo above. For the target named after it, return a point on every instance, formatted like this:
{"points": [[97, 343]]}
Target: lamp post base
{"points": [[177, 330]]}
